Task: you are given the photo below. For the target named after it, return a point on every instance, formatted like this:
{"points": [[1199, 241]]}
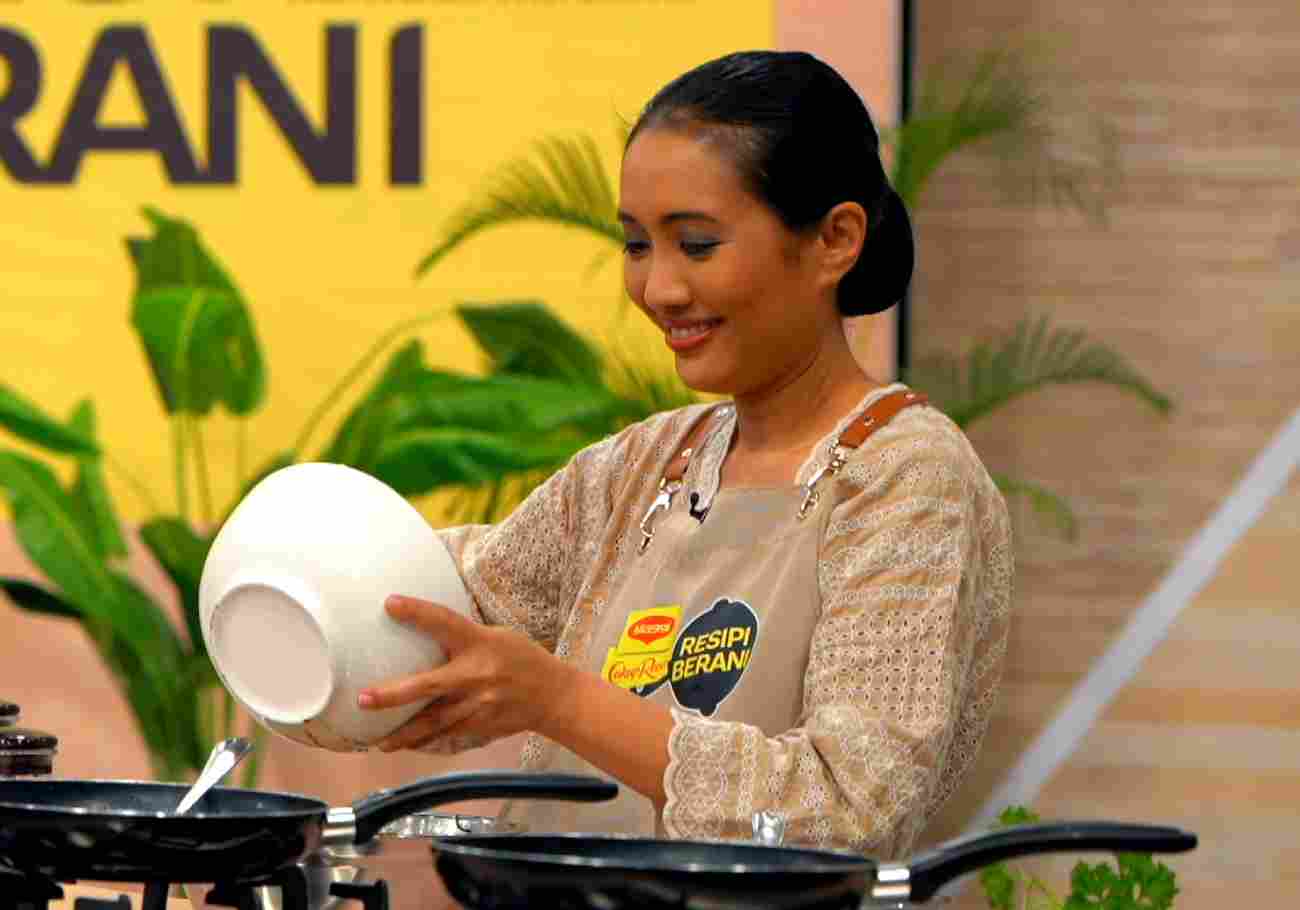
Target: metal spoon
{"points": [[225, 755]]}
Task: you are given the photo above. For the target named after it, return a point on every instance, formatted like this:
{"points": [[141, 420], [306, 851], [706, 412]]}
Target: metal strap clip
{"points": [[811, 496], [664, 501]]}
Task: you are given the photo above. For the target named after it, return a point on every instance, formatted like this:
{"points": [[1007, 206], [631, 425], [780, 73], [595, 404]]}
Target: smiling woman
{"points": [[817, 629]]}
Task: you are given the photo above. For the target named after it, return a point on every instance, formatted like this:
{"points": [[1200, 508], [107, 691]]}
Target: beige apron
{"points": [[724, 609]]}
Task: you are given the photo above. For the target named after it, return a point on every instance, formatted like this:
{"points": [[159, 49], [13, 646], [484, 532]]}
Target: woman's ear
{"points": [[841, 236]]}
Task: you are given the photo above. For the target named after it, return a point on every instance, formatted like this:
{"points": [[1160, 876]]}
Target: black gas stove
{"points": [[26, 890]]}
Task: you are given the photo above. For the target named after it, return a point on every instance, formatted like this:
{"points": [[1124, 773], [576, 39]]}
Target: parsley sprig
{"points": [[1133, 882]]}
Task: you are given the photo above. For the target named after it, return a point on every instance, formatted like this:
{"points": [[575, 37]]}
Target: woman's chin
{"points": [[698, 378]]}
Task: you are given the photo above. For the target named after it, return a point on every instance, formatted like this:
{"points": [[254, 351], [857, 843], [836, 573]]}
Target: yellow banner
{"points": [[317, 147]]}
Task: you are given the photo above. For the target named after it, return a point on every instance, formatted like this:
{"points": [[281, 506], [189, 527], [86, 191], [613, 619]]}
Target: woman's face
{"points": [[739, 296]]}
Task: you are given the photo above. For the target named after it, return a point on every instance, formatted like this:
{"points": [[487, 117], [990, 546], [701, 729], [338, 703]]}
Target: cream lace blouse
{"points": [[915, 582]]}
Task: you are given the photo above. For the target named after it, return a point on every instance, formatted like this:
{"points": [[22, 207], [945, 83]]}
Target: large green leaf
{"points": [[90, 497], [567, 185], [409, 398], [417, 461], [525, 337], [56, 540], [132, 633], [154, 692], [505, 403], [163, 673], [361, 432], [26, 421], [192, 320], [61, 548], [181, 553]]}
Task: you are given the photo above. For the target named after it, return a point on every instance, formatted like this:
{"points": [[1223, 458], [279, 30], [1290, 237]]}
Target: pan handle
{"points": [[378, 809], [930, 871]]}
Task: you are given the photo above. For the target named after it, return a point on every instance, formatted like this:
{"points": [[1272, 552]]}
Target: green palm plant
{"points": [[998, 103], [1004, 103]]}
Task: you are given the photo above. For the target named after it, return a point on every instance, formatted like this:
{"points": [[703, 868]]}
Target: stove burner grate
{"points": [[28, 890]]}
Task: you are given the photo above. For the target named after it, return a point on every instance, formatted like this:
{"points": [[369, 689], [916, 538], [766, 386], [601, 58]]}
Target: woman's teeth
{"points": [[690, 331]]}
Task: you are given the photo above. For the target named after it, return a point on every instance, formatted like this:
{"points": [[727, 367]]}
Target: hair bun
{"points": [[880, 277]]}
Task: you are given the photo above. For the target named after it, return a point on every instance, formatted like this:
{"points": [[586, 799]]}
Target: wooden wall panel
{"points": [[1195, 281]]}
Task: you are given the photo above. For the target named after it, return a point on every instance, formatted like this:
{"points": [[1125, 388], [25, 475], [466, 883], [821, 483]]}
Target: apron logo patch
{"points": [[711, 655], [639, 662]]}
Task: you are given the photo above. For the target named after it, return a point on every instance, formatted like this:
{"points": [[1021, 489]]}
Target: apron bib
{"points": [[714, 617]]}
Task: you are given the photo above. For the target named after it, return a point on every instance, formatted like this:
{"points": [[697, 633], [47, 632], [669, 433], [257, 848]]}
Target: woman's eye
{"points": [[635, 247], [698, 248]]}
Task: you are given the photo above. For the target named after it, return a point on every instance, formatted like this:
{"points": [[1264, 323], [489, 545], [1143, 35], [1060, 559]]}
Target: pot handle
{"points": [[930, 871], [378, 809]]}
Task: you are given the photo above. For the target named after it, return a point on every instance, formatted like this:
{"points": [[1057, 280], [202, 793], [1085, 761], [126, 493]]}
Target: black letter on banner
{"points": [[406, 106], [329, 158], [24, 87], [162, 131]]}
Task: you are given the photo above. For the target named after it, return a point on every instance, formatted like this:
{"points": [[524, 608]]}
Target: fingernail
{"points": [[366, 700]]}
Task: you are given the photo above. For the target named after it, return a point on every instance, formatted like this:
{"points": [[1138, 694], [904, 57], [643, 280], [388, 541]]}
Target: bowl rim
{"points": [[301, 594]]}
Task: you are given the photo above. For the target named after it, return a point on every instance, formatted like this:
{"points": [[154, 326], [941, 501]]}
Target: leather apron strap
{"points": [[855, 434]]}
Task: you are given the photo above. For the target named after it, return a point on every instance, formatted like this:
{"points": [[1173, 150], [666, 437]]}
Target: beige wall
{"points": [[1195, 281]]}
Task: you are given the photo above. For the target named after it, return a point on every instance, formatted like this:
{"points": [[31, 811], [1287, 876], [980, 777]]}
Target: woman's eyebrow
{"points": [[672, 217]]}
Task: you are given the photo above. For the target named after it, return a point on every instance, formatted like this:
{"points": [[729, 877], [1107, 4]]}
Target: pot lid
{"points": [[16, 739]]}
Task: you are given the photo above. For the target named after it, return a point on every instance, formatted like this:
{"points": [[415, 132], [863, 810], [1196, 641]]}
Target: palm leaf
{"points": [[564, 183], [642, 390], [525, 337], [647, 388], [493, 501], [1031, 357], [1046, 504], [414, 462], [1000, 103]]}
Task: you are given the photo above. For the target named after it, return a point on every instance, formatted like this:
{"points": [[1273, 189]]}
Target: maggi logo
{"points": [[651, 629]]}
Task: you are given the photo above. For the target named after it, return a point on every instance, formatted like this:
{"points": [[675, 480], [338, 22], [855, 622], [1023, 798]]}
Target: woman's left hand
{"points": [[496, 682]]}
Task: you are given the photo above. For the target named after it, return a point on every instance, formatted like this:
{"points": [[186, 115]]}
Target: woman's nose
{"points": [[664, 286]]}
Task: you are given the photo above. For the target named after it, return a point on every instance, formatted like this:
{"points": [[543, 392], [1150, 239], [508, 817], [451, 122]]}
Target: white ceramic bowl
{"points": [[291, 602]]}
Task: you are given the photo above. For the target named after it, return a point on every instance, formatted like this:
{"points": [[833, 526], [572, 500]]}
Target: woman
{"points": [[799, 628]]}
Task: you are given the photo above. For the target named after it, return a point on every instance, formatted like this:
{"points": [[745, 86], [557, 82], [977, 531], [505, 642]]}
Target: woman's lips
{"points": [[682, 336]]}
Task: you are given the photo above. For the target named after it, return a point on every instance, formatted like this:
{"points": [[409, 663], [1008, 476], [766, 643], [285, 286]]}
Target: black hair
{"points": [[803, 142]]}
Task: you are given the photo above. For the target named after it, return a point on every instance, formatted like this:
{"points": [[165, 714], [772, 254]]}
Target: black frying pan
{"points": [[585, 872], [124, 831]]}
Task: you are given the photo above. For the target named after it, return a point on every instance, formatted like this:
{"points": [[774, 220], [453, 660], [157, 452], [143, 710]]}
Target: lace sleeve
{"points": [[903, 664], [514, 570]]}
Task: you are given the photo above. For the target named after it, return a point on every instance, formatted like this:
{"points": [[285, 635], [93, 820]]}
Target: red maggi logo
{"points": [[651, 629]]}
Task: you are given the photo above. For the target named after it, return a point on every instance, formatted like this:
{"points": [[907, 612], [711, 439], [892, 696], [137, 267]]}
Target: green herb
{"points": [[1133, 882]]}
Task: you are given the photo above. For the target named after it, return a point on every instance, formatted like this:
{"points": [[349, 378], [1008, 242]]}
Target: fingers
{"points": [[448, 681], [429, 724], [404, 691], [453, 631]]}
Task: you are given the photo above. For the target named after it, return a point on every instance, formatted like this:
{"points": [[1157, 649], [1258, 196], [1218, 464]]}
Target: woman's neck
{"points": [[791, 416]]}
